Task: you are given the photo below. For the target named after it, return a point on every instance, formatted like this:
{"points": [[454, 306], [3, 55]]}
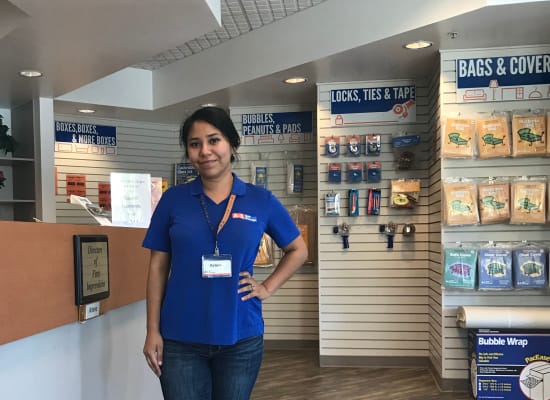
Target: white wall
{"points": [[100, 359]]}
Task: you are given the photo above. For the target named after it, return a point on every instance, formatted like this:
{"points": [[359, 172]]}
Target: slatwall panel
{"points": [[374, 301], [141, 148], [455, 355], [434, 228], [292, 313]]}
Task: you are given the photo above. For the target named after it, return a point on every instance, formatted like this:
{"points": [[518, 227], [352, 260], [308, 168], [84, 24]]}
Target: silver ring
{"points": [[252, 288]]}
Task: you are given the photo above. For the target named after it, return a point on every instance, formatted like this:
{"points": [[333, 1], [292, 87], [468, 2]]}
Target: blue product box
{"points": [[509, 365]]}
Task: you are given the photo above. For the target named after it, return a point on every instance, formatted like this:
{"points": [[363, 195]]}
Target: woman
{"points": [[204, 319]]}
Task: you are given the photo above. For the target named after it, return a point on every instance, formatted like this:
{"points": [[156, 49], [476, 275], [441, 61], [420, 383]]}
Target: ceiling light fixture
{"points": [[295, 79], [86, 111], [418, 44], [30, 73]]}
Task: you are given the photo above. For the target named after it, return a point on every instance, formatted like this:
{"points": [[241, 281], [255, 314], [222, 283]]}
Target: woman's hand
{"points": [[153, 352], [247, 284]]}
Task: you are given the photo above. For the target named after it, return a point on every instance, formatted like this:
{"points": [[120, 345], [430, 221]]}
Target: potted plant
{"points": [[7, 142]]}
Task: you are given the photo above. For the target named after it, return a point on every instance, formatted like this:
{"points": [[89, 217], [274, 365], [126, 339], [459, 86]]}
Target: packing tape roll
{"points": [[503, 317]]}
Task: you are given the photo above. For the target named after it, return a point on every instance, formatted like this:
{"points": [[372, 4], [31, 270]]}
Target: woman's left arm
{"points": [[295, 254]]}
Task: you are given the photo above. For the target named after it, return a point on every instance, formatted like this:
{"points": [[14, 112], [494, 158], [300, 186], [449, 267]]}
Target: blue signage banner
{"points": [[277, 128], [85, 134], [373, 105], [503, 78]]}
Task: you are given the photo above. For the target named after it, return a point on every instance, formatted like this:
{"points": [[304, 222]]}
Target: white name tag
{"points": [[216, 266]]}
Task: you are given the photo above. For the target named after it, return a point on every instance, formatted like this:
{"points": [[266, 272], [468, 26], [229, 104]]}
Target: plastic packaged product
{"points": [[373, 145], [353, 145], [530, 267], [295, 178], [374, 171], [460, 265], [335, 172], [332, 204], [353, 197], [404, 149], [528, 204], [457, 140], [460, 202], [494, 201], [494, 136], [355, 172], [264, 258], [332, 147], [405, 193], [259, 175], [495, 267], [528, 133]]}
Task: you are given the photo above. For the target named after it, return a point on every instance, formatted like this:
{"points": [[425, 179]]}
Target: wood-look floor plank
{"points": [[295, 375]]}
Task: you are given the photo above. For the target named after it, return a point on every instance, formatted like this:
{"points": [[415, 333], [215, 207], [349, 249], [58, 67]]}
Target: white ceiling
{"points": [[77, 42]]}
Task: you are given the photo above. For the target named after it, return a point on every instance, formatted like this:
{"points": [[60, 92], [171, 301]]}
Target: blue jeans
{"points": [[192, 371]]}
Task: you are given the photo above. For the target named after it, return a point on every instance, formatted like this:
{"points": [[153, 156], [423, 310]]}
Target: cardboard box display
{"points": [[509, 366]]}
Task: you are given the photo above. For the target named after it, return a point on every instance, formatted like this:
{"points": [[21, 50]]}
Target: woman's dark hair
{"points": [[216, 117]]}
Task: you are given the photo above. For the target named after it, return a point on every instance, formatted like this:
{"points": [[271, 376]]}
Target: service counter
{"points": [[37, 290]]}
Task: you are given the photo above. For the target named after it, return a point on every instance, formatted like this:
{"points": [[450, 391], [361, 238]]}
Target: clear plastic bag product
{"points": [[494, 201], [460, 202], [458, 138], [528, 201], [493, 136], [528, 133]]}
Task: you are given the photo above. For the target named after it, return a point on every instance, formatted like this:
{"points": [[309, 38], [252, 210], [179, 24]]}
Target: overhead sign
{"points": [[391, 104], [510, 78], [78, 137], [277, 128]]}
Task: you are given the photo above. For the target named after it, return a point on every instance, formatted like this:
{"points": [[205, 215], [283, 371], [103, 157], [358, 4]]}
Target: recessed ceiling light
{"points": [[418, 44], [295, 79], [86, 111], [30, 73]]}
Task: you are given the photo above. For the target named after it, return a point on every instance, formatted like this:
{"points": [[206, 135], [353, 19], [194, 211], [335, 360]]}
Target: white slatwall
{"points": [[455, 357], [374, 301], [142, 148], [292, 313]]}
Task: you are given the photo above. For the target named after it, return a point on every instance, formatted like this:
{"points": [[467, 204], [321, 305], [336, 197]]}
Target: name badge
{"points": [[214, 266]]}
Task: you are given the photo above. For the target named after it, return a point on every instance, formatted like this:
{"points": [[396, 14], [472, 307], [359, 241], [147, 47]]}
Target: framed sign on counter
{"points": [[91, 263]]}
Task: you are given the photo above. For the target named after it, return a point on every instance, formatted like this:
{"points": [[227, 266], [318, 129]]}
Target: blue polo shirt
{"points": [[209, 310]]}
